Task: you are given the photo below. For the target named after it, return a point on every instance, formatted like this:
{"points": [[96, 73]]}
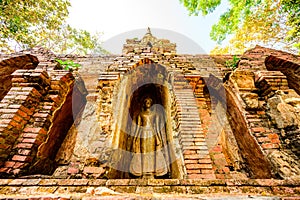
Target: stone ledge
{"points": [[139, 188], [149, 182]]}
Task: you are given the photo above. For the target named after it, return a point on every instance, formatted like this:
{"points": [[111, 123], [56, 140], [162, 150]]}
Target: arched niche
{"points": [[147, 80]]}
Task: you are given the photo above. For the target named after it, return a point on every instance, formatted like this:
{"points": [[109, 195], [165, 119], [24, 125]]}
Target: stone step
{"points": [[185, 96], [195, 133], [188, 109], [183, 92], [186, 101], [187, 105], [191, 96], [192, 140], [187, 113], [191, 132], [189, 116], [186, 122], [189, 119], [182, 87], [198, 123], [195, 147]]}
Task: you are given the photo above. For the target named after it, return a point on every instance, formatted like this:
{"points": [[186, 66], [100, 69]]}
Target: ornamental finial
{"points": [[149, 31]]}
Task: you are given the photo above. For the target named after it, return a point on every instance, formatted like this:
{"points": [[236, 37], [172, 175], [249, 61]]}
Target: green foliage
{"points": [[68, 64], [265, 22], [28, 23], [292, 10], [203, 6], [233, 63]]}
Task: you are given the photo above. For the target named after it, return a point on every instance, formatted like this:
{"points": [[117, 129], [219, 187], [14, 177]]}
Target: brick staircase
{"points": [[191, 136]]}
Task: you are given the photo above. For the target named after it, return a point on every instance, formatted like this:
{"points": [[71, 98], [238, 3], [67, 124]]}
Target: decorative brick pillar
{"points": [[28, 119], [107, 82]]}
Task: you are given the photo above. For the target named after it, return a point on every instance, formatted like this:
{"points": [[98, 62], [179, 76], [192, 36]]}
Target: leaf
{"points": [[68, 64], [249, 22], [28, 23]]}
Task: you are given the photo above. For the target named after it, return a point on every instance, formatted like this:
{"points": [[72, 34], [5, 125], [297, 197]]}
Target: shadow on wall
{"points": [[63, 119]]}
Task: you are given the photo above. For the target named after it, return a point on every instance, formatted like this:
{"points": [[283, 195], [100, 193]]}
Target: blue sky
{"points": [[115, 17]]}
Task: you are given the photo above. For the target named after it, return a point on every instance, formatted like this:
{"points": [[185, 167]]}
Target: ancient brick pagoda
{"points": [[225, 132]]}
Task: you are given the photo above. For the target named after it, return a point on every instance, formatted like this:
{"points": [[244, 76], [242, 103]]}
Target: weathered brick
{"points": [[41, 115], [192, 157], [23, 114], [191, 161], [9, 164], [73, 170], [220, 176], [21, 97], [55, 98], [26, 88], [27, 140], [17, 118], [7, 116], [24, 152], [275, 141], [193, 171], [207, 171], [16, 124], [273, 136], [93, 170], [4, 169], [4, 126], [220, 162], [206, 166], [203, 144], [5, 121], [36, 93], [194, 147], [3, 110], [218, 156], [226, 170], [4, 105], [21, 158], [270, 146], [30, 135], [27, 110], [193, 166], [24, 145], [48, 108], [205, 161], [189, 152], [216, 149], [19, 165], [18, 80], [253, 120], [35, 130], [258, 129], [263, 139], [187, 143], [201, 176]]}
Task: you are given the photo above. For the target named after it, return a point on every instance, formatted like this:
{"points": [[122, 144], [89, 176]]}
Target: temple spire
{"points": [[148, 31]]}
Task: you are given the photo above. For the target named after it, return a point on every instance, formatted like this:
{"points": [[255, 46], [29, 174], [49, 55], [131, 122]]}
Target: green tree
{"points": [[273, 23], [28, 23]]}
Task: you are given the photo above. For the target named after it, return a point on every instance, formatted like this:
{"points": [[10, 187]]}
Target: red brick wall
{"points": [[37, 102], [8, 66]]}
